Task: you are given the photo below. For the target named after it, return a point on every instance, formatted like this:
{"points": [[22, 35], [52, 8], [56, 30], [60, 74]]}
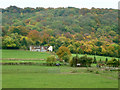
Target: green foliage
{"points": [[71, 62], [23, 47], [83, 31], [51, 60], [100, 61], [95, 61], [18, 29], [113, 62], [106, 60], [12, 41], [66, 58], [84, 61], [97, 72]]}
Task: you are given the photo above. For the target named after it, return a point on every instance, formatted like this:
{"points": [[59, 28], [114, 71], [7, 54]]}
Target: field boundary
{"points": [[21, 59]]}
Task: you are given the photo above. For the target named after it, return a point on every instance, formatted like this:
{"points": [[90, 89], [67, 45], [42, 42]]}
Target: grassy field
{"points": [[35, 76], [103, 58], [24, 54], [55, 77], [19, 54]]}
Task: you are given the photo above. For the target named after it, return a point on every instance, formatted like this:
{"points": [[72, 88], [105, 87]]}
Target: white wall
{"points": [[50, 48]]}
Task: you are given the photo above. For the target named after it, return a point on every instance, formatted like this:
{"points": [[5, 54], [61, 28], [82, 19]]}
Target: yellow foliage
{"points": [[62, 51]]}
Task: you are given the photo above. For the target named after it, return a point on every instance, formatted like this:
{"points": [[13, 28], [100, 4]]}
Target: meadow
{"points": [[103, 58], [36, 76], [21, 54], [21, 76]]}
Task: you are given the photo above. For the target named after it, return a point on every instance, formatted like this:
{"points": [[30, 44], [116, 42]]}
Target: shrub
{"points": [[97, 72], [89, 61], [106, 60], [113, 62], [95, 61], [84, 61], [51, 60], [90, 70], [66, 58], [71, 62], [74, 60], [100, 61], [24, 47]]}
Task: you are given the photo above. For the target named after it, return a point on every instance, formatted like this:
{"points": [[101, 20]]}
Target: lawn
{"points": [[22, 76]]}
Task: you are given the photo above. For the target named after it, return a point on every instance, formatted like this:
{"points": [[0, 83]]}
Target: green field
{"points": [[24, 54], [55, 77], [21, 54], [103, 58], [35, 76]]}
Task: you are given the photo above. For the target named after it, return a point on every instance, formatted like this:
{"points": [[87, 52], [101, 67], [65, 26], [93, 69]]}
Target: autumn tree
{"points": [[34, 35], [12, 41], [64, 53], [18, 29]]}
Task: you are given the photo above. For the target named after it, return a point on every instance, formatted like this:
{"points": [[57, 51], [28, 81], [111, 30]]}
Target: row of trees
{"points": [[21, 39], [15, 9], [64, 55]]}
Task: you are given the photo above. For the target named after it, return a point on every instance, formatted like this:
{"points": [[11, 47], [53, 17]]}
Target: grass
{"points": [[34, 76], [19, 54], [23, 61], [55, 77], [103, 58], [24, 54]]}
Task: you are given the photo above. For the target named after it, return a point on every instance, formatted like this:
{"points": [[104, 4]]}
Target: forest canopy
{"points": [[84, 31]]}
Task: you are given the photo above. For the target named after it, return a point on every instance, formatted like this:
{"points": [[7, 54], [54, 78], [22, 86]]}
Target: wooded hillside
{"points": [[91, 31]]}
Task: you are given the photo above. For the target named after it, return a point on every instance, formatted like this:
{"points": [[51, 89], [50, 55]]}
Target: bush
{"points": [[84, 61], [66, 58], [90, 70], [89, 61], [97, 72], [51, 60], [23, 47], [95, 61], [71, 62], [100, 61], [106, 60], [74, 60], [113, 62]]}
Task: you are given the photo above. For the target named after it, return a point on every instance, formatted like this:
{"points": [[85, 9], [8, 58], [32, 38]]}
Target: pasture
{"points": [[103, 58], [21, 54], [36, 76], [21, 76]]}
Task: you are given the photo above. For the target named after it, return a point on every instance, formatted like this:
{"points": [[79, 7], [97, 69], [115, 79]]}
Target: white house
{"points": [[41, 48]]}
